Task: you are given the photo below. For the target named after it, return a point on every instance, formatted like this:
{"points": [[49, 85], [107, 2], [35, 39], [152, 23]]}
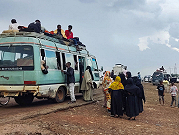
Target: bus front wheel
{"points": [[60, 95], [25, 99]]}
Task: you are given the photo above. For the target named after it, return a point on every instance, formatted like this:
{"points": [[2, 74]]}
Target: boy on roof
{"points": [[69, 35], [14, 25], [59, 31]]}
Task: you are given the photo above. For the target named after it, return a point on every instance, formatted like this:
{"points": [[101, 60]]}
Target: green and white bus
{"points": [[20, 67]]}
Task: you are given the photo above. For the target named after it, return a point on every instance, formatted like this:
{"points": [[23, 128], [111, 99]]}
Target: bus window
{"points": [[16, 57], [75, 59], [94, 63], [42, 54], [51, 59], [69, 58], [58, 60], [64, 62], [89, 63]]}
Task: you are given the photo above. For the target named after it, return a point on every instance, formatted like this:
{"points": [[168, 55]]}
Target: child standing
{"points": [[173, 91], [161, 89]]}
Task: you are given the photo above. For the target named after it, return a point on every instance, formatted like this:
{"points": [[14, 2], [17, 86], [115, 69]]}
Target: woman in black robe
{"points": [[124, 83], [128, 74], [116, 97], [141, 95], [132, 91]]}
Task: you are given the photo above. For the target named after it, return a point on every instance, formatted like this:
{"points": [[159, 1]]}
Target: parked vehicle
{"points": [[147, 78], [160, 75], [118, 68], [20, 67], [156, 77]]}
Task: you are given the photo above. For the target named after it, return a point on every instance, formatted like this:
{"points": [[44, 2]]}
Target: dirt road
{"points": [[46, 118]]}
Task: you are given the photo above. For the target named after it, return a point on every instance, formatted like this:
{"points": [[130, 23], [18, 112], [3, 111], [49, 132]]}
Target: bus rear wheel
{"points": [[60, 95], [25, 99], [4, 100]]}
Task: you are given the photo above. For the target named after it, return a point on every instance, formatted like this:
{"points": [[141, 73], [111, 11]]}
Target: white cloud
{"points": [[161, 37], [143, 43], [176, 49]]}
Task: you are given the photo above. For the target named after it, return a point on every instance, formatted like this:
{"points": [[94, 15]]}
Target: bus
{"points": [[21, 77]]}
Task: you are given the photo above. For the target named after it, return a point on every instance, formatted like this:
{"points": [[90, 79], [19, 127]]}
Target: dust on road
{"points": [[93, 118]]}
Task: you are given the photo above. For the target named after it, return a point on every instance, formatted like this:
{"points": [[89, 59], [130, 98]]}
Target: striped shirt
{"points": [[173, 90]]}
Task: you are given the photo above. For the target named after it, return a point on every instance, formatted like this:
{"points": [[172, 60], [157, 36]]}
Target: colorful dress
{"points": [[106, 83]]}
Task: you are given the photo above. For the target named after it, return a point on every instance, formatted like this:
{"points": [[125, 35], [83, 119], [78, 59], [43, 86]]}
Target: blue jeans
{"points": [[75, 40]]}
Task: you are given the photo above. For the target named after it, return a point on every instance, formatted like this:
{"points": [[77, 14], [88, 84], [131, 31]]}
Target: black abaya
{"points": [[116, 102], [132, 92]]}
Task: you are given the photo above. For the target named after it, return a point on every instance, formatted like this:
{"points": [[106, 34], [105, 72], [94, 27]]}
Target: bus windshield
{"points": [[16, 57], [95, 67]]}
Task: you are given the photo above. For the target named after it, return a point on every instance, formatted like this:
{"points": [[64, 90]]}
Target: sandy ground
{"points": [[82, 118]]}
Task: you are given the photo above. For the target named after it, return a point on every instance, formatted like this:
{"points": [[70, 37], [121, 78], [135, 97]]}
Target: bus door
{"points": [[74, 64], [82, 67], [94, 67]]}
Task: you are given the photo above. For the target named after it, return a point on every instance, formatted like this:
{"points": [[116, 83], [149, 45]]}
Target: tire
{"points": [[60, 95], [25, 99], [4, 100]]}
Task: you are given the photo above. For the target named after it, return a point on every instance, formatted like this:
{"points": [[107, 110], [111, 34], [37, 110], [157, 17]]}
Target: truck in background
{"points": [[119, 68]]}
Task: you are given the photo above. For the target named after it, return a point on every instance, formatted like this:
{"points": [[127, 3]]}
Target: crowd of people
{"points": [[123, 95], [66, 35]]}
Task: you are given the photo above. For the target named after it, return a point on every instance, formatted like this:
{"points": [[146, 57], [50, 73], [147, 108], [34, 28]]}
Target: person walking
{"points": [[70, 81], [87, 85], [161, 89], [173, 91], [116, 97]]}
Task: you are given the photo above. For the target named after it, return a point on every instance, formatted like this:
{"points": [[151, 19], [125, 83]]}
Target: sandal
{"points": [[133, 118]]}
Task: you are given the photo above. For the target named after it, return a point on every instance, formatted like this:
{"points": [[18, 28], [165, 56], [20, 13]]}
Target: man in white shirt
{"points": [[14, 25]]}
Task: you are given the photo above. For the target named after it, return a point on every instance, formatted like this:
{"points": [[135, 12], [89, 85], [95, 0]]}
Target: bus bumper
{"points": [[11, 91]]}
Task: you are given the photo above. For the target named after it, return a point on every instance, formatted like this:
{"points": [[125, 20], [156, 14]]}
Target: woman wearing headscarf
{"points": [[128, 75], [141, 95], [106, 83], [132, 91], [116, 97], [87, 85]]}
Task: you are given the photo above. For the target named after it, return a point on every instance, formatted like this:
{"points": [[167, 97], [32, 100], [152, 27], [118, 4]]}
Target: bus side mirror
{"points": [[101, 68]]}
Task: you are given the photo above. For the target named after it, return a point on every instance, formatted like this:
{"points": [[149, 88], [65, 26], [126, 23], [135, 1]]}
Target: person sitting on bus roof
{"points": [[14, 25], [69, 35], [59, 31], [35, 26], [44, 67]]}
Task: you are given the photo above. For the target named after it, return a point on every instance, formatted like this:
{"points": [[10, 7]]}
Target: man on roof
{"points": [[35, 26], [69, 35], [14, 25], [59, 31]]}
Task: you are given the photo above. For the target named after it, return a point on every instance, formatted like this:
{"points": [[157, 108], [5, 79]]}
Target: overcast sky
{"points": [[141, 34]]}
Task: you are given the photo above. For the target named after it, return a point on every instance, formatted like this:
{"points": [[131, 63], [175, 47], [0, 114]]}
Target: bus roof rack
{"points": [[53, 38]]}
